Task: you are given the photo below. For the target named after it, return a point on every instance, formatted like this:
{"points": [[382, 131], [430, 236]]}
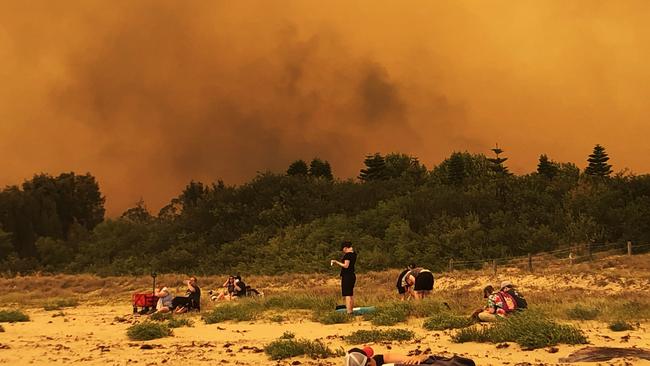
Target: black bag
{"points": [[453, 361], [444, 361], [519, 298]]}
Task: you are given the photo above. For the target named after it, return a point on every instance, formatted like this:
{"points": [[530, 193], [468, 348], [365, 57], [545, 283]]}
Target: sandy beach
{"points": [[96, 335]]}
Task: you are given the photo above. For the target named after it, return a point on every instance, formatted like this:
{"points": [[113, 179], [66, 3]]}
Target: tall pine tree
{"points": [[456, 170], [598, 166], [375, 168], [546, 167], [320, 169], [497, 162], [298, 167]]}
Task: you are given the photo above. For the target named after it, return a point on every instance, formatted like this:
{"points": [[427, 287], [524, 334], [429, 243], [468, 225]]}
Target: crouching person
{"points": [[494, 309]]}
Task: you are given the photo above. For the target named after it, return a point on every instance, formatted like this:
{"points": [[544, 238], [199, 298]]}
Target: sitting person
{"points": [[499, 305], [509, 288], [404, 292], [164, 304], [227, 292], [418, 282], [240, 287], [191, 300], [366, 357]]}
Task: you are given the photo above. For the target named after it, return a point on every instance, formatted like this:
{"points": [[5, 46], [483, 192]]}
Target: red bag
{"points": [[144, 300]]}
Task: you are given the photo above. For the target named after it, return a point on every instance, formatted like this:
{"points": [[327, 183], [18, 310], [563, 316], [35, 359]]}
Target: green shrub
{"points": [[332, 317], [148, 330], [630, 310], [288, 335], [580, 312], [160, 317], [58, 304], [444, 321], [237, 312], [12, 316], [379, 335], [180, 322], [389, 314], [277, 318], [620, 326], [426, 308], [530, 330], [300, 301], [285, 348]]}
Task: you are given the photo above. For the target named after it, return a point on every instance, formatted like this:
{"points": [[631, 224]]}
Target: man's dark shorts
{"points": [[347, 284], [424, 282]]}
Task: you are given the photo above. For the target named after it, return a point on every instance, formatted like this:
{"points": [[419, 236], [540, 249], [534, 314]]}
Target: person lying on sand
{"points": [[366, 357], [164, 304], [418, 282]]}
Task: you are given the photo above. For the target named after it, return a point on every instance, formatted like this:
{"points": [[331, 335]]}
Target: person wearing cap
{"points": [[366, 357], [508, 288], [419, 282], [494, 310], [348, 277]]}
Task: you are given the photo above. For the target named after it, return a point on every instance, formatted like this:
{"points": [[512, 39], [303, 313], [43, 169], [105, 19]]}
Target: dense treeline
{"points": [[397, 211]]}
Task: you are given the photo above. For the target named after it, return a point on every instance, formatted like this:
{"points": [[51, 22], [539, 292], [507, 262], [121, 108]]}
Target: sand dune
{"points": [[91, 335]]}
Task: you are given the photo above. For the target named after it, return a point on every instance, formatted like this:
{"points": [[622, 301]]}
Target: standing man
{"points": [[348, 277]]}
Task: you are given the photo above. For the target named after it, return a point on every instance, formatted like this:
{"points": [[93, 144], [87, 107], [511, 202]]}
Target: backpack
{"points": [[519, 298], [444, 361], [508, 302]]}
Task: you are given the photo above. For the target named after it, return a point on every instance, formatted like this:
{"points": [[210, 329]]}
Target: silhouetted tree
{"points": [[405, 166], [546, 167], [598, 166], [298, 167], [193, 193], [456, 169], [497, 162], [138, 214], [375, 168], [320, 169]]}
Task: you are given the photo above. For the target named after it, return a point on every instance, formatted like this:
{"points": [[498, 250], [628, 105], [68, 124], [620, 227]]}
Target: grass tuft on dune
{"points": [[288, 346], [13, 316], [444, 321], [147, 331], [529, 329], [379, 335]]}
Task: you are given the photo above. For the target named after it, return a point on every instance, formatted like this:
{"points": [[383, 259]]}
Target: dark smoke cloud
{"points": [[170, 101], [147, 95]]}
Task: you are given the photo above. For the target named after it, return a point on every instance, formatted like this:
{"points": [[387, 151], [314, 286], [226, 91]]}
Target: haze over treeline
{"points": [[470, 207], [149, 94]]}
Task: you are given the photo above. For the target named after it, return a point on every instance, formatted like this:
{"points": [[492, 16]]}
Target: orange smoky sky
{"points": [[147, 95]]}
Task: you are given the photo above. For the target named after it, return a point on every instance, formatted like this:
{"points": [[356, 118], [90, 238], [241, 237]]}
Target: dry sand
{"points": [[90, 335]]}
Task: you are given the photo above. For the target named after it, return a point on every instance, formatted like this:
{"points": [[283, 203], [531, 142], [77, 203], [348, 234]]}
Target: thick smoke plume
{"points": [[147, 95]]}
